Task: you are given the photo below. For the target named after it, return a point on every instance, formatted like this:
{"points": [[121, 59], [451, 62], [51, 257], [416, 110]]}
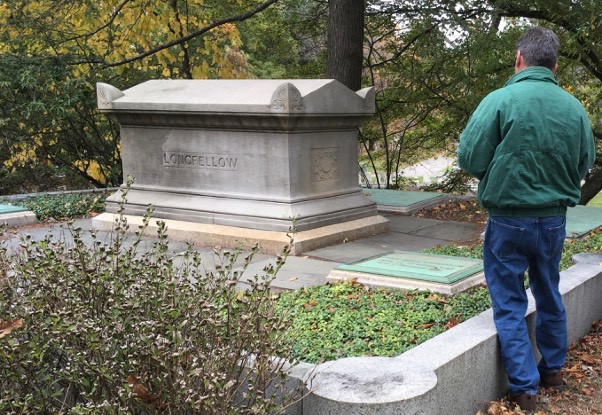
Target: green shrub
{"points": [[102, 329], [66, 205]]}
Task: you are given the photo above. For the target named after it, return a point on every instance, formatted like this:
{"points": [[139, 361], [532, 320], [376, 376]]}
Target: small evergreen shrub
{"points": [[102, 329], [65, 205]]}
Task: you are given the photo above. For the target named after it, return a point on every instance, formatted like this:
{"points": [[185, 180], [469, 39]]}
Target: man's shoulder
{"points": [[497, 97]]}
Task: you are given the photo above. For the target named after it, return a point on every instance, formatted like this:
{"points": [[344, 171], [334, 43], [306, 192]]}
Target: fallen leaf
{"points": [[433, 297], [587, 358], [6, 327], [451, 323], [496, 408], [139, 389], [353, 281]]}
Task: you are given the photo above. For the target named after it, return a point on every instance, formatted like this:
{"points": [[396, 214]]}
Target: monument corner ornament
{"points": [[242, 153]]}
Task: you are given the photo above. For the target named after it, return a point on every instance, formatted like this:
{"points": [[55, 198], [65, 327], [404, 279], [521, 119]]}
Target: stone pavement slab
{"points": [[297, 272], [404, 241], [348, 252], [447, 231], [408, 224], [376, 245], [450, 231], [407, 234]]}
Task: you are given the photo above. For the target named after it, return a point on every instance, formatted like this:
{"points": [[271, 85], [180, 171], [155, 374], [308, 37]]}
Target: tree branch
{"points": [[112, 18], [181, 40], [588, 57], [403, 49]]}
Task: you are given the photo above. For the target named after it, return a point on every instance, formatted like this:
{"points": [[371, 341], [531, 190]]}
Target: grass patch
{"points": [[63, 206], [596, 201]]}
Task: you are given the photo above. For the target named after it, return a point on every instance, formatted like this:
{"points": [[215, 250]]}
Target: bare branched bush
{"points": [[103, 328]]}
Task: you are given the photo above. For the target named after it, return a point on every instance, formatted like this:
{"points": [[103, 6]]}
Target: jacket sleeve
{"points": [[588, 147], [479, 139]]}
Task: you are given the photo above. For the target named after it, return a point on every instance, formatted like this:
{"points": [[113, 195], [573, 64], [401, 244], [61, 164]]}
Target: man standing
{"points": [[530, 144]]}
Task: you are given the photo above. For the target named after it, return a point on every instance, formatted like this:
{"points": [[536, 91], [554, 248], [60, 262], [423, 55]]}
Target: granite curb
{"points": [[454, 373]]}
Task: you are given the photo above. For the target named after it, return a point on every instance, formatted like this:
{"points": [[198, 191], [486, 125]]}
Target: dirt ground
{"points": [[583, 369]]}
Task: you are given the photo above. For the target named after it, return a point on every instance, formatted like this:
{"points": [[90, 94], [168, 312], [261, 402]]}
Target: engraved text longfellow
{"points": [[200, 160]]}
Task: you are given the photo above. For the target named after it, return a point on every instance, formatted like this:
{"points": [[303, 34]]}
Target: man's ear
{"points": [[519, 64], [554, 69]]}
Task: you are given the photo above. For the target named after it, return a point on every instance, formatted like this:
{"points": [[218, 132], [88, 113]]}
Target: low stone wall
{"points": [[455, 373]]}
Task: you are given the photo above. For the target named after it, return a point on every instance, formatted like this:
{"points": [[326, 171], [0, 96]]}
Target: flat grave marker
{"points": [[403, 201], [12, 216], [414, 270]]}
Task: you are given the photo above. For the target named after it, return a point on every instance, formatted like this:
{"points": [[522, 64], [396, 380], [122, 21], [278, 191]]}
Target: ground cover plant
{"points": [[348, 319], [62, 206], [101, 329]]}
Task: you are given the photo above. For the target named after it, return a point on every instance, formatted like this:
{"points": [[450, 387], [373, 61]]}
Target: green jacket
{"points": [[530, 144]]}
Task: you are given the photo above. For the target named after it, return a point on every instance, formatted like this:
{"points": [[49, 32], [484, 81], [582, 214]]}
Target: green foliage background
{"points": [[430, 62]]}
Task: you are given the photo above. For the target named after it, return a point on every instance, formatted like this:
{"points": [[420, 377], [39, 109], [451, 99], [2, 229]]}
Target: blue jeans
{"points": [[513, 245]]}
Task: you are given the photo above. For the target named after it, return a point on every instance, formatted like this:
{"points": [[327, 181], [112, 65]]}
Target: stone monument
{"points": [[231, 161]]}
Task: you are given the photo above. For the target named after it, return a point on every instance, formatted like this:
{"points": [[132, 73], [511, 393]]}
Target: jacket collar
{"points": [[533, 73]]}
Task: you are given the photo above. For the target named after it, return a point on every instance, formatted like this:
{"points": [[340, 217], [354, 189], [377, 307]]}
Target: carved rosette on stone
{"points": [[324, 164], [287, 98]]}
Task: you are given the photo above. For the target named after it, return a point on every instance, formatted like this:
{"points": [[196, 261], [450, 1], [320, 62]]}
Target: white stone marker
{"points": [[252, 154]]}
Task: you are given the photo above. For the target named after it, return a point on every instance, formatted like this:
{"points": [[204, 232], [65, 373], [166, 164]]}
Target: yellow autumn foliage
{"points": [[99, 34]]}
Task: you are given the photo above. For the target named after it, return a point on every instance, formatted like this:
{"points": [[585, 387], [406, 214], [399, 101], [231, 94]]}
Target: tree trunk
{"points": [[345, 42], [592, 185]]}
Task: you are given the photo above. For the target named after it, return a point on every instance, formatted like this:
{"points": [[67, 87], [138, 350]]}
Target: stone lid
{"points": [[299, 96]]}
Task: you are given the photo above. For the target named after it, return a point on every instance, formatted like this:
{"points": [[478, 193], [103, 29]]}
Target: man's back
{"points": [[537, 146]]}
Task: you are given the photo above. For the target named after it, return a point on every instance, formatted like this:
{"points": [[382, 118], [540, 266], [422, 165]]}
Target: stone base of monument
{"points": [[272, 242], [12, 216], [412, 270]]}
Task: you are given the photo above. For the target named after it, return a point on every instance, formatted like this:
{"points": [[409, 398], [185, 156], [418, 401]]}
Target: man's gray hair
{"points": [[539, 47]]}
